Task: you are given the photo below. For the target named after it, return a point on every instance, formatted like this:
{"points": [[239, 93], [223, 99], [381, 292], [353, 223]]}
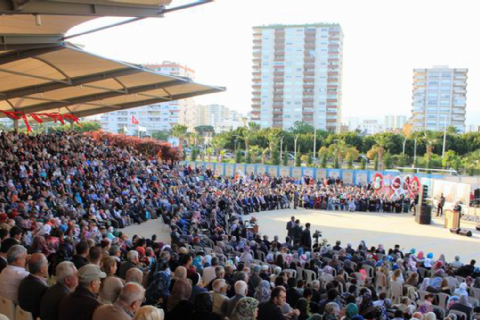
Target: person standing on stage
{"points": [[441, 204], [290, 228]]}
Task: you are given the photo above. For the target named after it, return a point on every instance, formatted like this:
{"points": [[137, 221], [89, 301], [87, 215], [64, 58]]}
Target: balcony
{"points": [[257, 47], [256, 86], [256, 99]]}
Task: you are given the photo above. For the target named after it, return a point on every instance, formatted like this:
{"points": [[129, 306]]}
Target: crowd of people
{"points": [[65, 198]]}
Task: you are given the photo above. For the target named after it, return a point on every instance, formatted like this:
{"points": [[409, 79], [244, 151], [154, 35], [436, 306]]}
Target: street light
{"points": [[314, 142], [295, 143], [281, 143]]}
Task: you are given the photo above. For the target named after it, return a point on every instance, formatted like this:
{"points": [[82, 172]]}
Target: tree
{"points": [[323, 153], [285, 157], [218, 143], [238, 156], [203, 130], [337, 150], [309, 158], [382, 143], [255, 151], [161, 135], [472, 162], [430, 141], [179, 131], [300, 127], [451, 160], [364, 163], [87, 126], [248, 133], [209, 154], [264, 155], [388, 160], [351, 154], [193, 154], [298, 160], [375, 163]]}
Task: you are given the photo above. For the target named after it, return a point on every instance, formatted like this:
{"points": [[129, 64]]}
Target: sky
{"points": [[384, 40]]}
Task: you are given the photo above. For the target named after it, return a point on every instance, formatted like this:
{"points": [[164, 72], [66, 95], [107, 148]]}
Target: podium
{"points": [[452, 219]]}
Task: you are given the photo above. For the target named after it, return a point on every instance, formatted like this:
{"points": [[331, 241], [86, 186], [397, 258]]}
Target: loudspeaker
{"points": [[455, 230], [465, 233]]}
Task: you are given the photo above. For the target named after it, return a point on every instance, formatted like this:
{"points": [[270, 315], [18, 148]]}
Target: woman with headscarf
{"points": [[262, 292], [246, 309], [366, 306], [462, 305], [351, 311], [158, 290], [303, 306], [461, 290], [203, 308], [425, 284], [429, 262], [178, 306]]}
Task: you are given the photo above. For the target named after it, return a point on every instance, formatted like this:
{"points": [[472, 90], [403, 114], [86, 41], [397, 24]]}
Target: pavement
{"points": [[352, 227]]}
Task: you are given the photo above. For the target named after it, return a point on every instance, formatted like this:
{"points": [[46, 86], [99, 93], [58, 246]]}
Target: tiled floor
{"points": [[373, 228]]}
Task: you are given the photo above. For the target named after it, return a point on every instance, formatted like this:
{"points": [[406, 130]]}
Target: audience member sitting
{"points": [[14, 273], [67, 280], [33, 287], [82, 303], [129, 301]]}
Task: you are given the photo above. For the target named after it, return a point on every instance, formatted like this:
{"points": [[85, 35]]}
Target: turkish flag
{"points": [[134, 120]]}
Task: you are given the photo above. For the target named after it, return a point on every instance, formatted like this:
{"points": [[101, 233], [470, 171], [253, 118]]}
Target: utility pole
{"points": [[281, 143], [314, 142]]}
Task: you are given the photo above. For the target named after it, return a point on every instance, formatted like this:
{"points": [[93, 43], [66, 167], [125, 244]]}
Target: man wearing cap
{"points": [[82, 303], [129, 301]]}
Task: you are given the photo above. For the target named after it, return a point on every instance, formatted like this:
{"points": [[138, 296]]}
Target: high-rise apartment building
{"points": [[297, 75], [219, 117], [157, 117], [439, 98], [393, 122]]}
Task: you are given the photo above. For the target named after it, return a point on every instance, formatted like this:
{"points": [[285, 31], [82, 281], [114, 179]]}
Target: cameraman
{"points": [[306, 240]]}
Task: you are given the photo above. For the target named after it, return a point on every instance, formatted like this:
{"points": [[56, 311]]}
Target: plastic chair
{"points": [[396, 292], [21, 314], [7, 308], [293, 273], [442, 299], [369, 270], [310, 275], [460, 315]]}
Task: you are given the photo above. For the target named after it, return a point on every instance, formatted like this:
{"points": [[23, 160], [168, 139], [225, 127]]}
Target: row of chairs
{"points": [[8, 309]]}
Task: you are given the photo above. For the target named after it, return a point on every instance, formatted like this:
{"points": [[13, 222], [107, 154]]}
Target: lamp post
{"points": [[415, 153], [281, 144], [404, 143], [295, 143], [444, 139], [314, 143]]}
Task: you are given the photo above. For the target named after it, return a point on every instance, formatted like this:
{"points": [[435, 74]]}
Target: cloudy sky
{"points": [[384, 41]]}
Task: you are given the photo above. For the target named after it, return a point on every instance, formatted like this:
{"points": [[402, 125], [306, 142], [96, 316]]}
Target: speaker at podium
{"points": [[452, 219]]}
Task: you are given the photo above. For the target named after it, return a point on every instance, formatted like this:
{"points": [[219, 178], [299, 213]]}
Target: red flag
{"points": [[134, 120]]}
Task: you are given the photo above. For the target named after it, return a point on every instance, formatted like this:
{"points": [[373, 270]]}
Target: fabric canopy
{"points": [[67, 80]]}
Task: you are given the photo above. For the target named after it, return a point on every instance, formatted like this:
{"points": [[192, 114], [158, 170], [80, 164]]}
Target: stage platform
{"points": [[377, 228], [374, 228]]}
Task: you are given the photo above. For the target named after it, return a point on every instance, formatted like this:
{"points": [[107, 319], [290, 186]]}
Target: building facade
{"points": [[157, 117], [394, 122], [297, 75], [439, 98]]}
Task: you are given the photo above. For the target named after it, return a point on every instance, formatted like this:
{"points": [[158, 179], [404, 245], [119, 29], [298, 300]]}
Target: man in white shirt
{"points": [[457, 264], [209, 272], [14, 273]]}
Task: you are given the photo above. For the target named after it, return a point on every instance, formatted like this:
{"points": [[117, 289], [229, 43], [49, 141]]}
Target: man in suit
{"points": [[306, 240], [67, 281], [441, 204], [290, 227], [297, 232], [34, 286]]}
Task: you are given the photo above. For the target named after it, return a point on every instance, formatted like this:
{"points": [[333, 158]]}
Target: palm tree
{"points": [[248, 133], [351, 154], [218, 143], [179, 131], [337, 150], [382, 143]]}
